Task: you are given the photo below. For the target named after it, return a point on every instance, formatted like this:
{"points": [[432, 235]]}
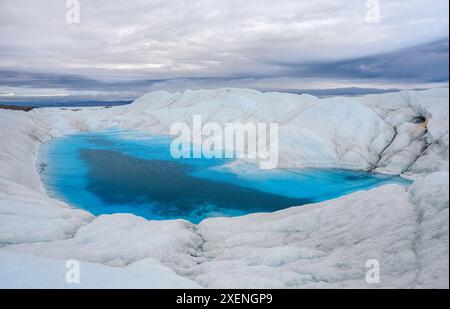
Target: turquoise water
{"points": [[130, 172]]}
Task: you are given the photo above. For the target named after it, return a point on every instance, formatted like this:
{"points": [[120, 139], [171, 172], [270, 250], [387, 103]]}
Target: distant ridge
{"points": [[17, 108], [35, 102]]}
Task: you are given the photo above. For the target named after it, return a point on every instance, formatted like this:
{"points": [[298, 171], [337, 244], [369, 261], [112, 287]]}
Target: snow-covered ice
{"points": [[322, 245]]}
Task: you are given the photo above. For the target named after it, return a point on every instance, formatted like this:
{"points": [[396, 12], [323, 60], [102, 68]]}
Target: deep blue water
{"points": [[129, 172]]}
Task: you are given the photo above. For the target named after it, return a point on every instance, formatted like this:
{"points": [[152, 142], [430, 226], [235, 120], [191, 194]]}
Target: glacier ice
{"points": [[324, 245]]}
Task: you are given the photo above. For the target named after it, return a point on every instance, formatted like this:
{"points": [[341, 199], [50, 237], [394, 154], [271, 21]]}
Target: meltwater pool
{"points": [[118, 171]]}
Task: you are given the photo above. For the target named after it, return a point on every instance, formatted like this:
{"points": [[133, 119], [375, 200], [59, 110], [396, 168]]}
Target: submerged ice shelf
{"points": [[117, 171]]}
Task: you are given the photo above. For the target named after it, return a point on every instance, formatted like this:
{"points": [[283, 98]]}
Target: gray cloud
{"points": [[423, 63], [140, 45]]}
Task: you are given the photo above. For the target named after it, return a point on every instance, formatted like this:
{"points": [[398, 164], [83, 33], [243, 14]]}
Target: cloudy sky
{"points": [[126, 47]]}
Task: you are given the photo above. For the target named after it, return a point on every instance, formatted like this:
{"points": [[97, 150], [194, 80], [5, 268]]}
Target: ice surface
{"points": [[318, 245], [20, 271]]}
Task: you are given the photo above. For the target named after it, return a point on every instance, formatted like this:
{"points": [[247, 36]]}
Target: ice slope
{"points": [[320, 245], [354, 133], [21, 271]]}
